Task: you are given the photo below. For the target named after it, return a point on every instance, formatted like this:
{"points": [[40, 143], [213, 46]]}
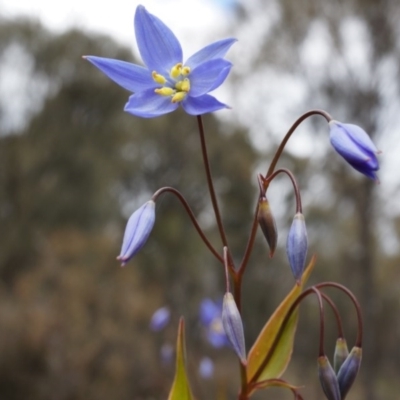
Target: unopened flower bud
{"points": [[348, 371], [267, 224], [328, 379], [137, 231], [297, 246], [233, 326], [355, 146], [341, 353]]}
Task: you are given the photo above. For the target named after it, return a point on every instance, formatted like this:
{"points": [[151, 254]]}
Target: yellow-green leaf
{"points": [[282, 352], [180, 388]]}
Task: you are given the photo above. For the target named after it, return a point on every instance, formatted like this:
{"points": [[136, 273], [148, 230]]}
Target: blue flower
{"points": [[356, 147], [160, 319], [206, 368], [166, 82], [137, 231], [211, 318]]}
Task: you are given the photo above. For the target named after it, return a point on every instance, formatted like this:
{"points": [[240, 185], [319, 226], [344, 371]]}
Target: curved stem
{"points": [[191, 216], [268, 179], [289, 133], [355, 303], [250, 241], [321, 322], [210, 181], [336, 313]]}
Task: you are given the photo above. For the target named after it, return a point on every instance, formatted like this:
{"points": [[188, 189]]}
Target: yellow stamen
{"points": [[177, 97], [185, 70], [158, 78], [185, 87], [165, 91], [176, 70]]}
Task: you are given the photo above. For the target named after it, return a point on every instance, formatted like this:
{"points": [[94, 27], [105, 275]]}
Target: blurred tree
{"points": [[343, 57]]}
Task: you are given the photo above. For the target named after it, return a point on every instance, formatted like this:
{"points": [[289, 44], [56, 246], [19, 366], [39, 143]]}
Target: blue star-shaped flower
{"points": [[166, 82]]}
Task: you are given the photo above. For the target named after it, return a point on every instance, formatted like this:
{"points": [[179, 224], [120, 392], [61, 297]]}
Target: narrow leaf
{"points": [[180, 388], [281, 354]]}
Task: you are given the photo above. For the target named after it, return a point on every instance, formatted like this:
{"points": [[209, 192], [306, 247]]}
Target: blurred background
{"points": [[73, 166]]}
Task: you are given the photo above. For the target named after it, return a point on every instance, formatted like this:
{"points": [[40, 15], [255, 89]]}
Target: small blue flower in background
{"points": [[160, 319], [211, 319], [166, 353], [206, 368], [137, 231], [356, 147], [166, 82]]}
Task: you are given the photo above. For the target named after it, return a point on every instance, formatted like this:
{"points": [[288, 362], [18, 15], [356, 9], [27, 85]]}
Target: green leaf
{"points": [[180, 388], [261, 365]]}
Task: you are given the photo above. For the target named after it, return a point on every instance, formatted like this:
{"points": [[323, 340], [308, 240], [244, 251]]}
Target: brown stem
{"points": [[210, 181], [191, 216]]}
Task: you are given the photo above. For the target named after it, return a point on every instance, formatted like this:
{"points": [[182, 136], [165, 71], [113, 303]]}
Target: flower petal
{"points": [[158, 46], [208, 76], [210, 52], [148, 104], [130, 76], [347, 147], [202, 105]]}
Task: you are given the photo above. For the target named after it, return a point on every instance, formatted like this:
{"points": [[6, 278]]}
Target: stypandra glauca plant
{"points": [[167, 82]]}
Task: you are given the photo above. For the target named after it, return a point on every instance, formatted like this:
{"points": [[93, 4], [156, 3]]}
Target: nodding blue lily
{"points": [[137, 231], [166, 81], [356, 147]]}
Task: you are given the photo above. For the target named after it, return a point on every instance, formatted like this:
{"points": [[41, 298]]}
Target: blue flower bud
{"points": [[232, 323], [160, 319], [328, 379], [137, 231], [348, 371], [356, 147], [297, 246], [341, 353]]}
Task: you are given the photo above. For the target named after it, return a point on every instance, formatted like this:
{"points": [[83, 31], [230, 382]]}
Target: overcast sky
{"points": [[192, 24]]}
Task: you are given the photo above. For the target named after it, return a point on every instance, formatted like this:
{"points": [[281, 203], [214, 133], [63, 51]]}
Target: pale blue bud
{"points": [[328, 379], [297, 246], [348, 371], [233, 326], [137, 231]]}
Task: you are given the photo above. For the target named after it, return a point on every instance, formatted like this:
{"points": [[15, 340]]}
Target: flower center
{"points": [[176, 86]]}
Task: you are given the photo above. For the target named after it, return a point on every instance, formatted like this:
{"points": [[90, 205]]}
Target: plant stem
{"points": [[210, 181]]}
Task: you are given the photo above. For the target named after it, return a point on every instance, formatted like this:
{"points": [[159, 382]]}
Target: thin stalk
{"points": [[210, 181], [355, 303], [191, 216]]}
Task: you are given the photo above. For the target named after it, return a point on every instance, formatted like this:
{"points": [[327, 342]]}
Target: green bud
{"points": [[341, 353], [267, 224], [328, 379]]}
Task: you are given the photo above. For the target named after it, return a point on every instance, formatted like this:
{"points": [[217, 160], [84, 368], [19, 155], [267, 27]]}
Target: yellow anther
{"points": [[158, 78], [176, 70], [177, 97], [185, 85], [165, 91], [185, 70]]}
